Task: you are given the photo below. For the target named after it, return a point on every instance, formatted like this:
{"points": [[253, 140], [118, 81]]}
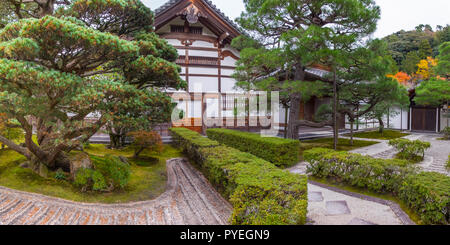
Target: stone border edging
{"points": [[404, 218]]}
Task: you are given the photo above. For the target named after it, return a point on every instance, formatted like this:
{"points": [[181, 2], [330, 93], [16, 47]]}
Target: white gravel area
{"points": [[361, 210]]}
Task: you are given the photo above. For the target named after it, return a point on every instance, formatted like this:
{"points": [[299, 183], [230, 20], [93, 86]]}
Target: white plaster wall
{"points": [[195, 109], [202, 70], [203, 84], [203, 44], [175, 42], [212, 108], [227, 72], [181, 52], [212, 54], [445, 121], [227, 85], [398, 121], [228, 61]]}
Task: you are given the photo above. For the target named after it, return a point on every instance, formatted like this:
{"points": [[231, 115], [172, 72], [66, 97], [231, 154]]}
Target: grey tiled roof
{"points": [[318, 72], [171, 3]]}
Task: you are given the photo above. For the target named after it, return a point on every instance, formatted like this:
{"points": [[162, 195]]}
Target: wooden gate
{"points": [[423, 119]]}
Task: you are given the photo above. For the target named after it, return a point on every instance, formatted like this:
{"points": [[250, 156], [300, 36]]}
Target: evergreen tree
{"points": [[425, 49], [364, 87], [91, 58], [296, 32], [409, 65], [443, 65]]}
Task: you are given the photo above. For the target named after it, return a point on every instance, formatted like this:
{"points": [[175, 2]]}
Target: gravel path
{"points": [[188, 200]]}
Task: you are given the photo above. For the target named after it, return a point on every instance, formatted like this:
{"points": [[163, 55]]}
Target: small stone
{"points": [[315, 196], [337, 208], [81, 160], [43, 170]]}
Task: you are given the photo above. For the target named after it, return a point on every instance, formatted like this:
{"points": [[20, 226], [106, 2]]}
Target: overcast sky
{"points": [[395, 14]]}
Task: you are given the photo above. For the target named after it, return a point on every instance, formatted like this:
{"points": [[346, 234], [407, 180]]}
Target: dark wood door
{"points": [[423, 119]]}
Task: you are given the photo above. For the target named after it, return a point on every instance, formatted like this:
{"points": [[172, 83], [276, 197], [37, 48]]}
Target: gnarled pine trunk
{"points": [[381, 127], [294, 112]]}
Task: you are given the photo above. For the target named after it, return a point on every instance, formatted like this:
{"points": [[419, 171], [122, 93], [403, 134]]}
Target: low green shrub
{"points": [[429, 194], [281, 152], [380, 175], [448, 163], [109, 173], [261, 194], [410, 150], [446, 132], [89, 179], [116, 173], [60, 175]]}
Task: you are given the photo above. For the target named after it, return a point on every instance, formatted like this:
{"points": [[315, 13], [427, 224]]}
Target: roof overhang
{"points": [[202, 11]]}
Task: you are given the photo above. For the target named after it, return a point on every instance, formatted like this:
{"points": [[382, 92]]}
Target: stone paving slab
{"points": [[343, 209], [188, 200]]}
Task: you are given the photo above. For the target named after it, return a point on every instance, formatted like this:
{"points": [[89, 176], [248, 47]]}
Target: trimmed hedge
{"points": [[380, 175], [281, 152], [427, 193], [261, 194], [191, 141]]}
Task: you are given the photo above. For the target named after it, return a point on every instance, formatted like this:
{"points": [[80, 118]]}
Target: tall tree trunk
{"points": [[335, 122], [381, 127], [351, 132], [117, 136], [285, 121], [138, 152], [294, 112]]}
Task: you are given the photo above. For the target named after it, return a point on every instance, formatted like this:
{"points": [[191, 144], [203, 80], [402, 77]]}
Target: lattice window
{"points": [[203, 60], [228, 102], [192, 29], [197, 60]]}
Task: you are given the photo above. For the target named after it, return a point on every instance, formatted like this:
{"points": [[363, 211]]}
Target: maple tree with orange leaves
{"points": [[401, 77]]}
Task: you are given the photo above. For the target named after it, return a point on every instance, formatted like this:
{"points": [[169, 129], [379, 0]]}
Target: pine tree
{"points": [[425, 49], [296, 32], [90, 57], [409, 65]]}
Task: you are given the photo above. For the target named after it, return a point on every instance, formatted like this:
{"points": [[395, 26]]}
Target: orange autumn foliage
{"points": [[401, 77]]}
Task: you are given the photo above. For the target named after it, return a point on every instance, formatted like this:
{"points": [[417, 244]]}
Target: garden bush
{"points": [[145, 140], [281, 152], [410, 150], [429, 194], [446, 133], [261, 194], [448, 163], [89, 179], [116, 173], [109, 173], [380, 175]]}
